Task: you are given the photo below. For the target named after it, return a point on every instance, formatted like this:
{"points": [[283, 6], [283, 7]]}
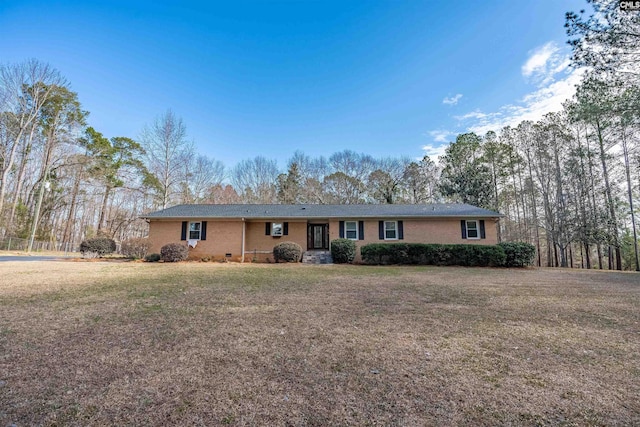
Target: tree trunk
{"points": [[627, 168], [587, 255], [70, 223], [560, 226], [20, 179], [570, 255], [8, 167], [613, 227], [103, 210]]}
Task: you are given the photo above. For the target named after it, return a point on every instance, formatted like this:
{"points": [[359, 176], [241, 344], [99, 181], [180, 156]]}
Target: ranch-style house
{"points": [[246, 233]]}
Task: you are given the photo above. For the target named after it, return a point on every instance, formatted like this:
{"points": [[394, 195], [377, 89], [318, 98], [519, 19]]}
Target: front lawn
{"points": [[228, 344]]}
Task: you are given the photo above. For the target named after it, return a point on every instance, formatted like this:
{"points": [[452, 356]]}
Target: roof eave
{"points": [[327, 217]]}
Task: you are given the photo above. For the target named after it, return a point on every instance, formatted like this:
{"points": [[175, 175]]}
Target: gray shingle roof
{"points": [[322, 211]]}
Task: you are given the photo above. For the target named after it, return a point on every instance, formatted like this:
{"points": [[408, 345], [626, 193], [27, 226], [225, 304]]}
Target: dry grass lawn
{"points": [[89, 343]]}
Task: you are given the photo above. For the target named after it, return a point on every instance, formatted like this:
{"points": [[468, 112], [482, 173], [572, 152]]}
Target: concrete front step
{"points": [[317, 257]]}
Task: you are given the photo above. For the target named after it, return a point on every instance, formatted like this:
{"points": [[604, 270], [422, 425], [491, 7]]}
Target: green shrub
{"points": [[343, 251], [518, 254], [433, 254], [153, 258], [287, 252], [135, 248], [174, 252], [374, 253], [98, 245]]}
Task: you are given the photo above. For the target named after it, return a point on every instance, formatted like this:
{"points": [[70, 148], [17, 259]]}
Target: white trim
{"points": [[477, 228], [356, 230], [199, 231], [281, 229], [384, 229]]}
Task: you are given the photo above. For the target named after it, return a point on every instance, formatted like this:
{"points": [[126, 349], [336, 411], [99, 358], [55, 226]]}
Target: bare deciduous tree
{"points": [[167, 152], [256, 180], [24, 90]]}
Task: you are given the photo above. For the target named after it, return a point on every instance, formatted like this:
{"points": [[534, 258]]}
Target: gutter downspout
{"points": [[243, 238]]}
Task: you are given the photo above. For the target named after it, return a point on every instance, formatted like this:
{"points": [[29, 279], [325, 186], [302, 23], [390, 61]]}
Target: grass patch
{"points": [[230, 344]]}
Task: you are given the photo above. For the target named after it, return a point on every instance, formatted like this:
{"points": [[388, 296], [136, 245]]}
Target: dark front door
{"points": [[317, 237]]}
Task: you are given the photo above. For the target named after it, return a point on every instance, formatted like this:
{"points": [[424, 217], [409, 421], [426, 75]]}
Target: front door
{"points": [[317, 237]]}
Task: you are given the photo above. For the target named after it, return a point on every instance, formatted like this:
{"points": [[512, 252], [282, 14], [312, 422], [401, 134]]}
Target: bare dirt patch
{"points": [[230, 344]]}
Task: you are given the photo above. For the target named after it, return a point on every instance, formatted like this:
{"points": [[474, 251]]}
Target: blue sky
{"points": [[392, 78]]}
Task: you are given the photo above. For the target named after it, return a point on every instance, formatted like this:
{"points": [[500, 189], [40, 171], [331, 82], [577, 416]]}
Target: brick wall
{"points": [[421, 231], [225, 237], [257, 240]]}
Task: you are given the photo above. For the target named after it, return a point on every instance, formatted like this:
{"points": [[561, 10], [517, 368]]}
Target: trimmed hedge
{"points": [[98, 245], [153, 258], [174, 252], [518, 254], [137, 248], [343, 251], [433, 254], [287, 252]]}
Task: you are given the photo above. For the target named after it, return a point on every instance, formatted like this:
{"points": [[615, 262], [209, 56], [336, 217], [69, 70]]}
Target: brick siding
{"points": [[224, 237]]}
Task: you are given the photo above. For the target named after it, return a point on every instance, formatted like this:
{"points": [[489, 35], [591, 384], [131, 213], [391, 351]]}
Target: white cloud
{"points": [[532, 106], [452, 100], [441, 139], [544, 63], [538, 59], [477, 114], [440, 135], [548, 68], [435, 150]]}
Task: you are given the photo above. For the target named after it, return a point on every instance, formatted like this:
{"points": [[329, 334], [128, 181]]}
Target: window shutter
{"points": [[381, 230], [482, 233], [360, 230], [463, 226], [203, 231], [183, 235], [267, 228], [285, 228], [400, 230], [341, 229]]}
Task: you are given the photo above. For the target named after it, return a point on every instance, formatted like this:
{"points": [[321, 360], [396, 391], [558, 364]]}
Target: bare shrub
{"points": [[137, 247], [174, 252], [287, 252], [100, 245]]}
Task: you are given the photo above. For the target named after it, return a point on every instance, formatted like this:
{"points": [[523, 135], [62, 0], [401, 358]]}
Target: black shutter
{"points": [[203, 231], [341, 229], [183, 236], [285, 228], [360, 230], [463, 226], [482, 233], [400, 230], [267, 228], [381, 230]]}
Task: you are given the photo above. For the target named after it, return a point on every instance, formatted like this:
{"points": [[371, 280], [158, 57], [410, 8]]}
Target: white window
{"points": [[351, 230], [276, 229], [194, 230], [391, 230], [472, 229]]}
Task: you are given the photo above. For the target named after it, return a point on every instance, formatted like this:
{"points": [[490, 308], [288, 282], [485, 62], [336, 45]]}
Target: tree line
{"points": [[566, 183]]}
